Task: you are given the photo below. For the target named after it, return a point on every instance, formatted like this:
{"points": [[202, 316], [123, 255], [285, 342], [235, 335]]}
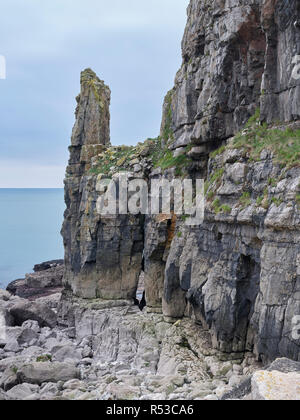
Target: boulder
{"points": [[22, 391], [39, 312], [13, 362], [12, 346], [40, 372], [51, 300], [4, 295], [48, 390], [285, 365], [122, 392], [46, 280], [32, 352], [3, 396], [13, 286], [47, 265], [9, 379], [28, 336], [32, 325], [67, 353], [275, 385]]}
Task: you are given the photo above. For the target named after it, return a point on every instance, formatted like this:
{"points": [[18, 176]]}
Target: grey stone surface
{"points": [[39, 372], [9, 379], [46, 279], [22, 391], [238, 272], [34, 311], [222, 296], [284, 365], [233, 53], [93, 267], [275, 386]]}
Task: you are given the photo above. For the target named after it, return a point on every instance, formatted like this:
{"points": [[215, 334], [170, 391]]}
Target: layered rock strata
{"points": [[46, 280], [109, 350], [237, 274], [101, 254]]}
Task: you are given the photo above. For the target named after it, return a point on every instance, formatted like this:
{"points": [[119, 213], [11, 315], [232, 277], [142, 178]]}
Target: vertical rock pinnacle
{"points": [[91, 132]]}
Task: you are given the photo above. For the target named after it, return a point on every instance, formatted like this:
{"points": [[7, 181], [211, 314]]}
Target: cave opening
{"points": [[140, 298]]}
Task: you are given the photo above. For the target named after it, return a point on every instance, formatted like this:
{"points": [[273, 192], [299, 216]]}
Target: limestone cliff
{"points": [[237, 55], [102, 256], [237, 274]]}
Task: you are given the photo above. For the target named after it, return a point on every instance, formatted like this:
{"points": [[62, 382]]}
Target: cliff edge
{"points": [[232, 119]]}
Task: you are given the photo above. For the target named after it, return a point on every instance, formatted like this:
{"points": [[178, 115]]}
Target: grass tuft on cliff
{"points": [[117, 157], [283, 143], [165, 160]]}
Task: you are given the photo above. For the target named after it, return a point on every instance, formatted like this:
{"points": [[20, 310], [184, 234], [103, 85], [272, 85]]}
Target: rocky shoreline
{"points": [[46, 280], [231, 120], [219, 315], [59, 347]]}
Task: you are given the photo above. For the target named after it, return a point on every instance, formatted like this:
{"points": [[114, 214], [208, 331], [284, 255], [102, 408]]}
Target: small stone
{"points": [[31, 325]]}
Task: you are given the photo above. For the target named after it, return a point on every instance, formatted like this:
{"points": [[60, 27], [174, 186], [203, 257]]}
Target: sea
{"points": [[30, 224]]}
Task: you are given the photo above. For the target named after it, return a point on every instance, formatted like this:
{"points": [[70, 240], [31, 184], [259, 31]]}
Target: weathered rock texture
{"points": [[102, 255], [102, 349], [240, 267], [238, 273], [239, 270], [268, 386], [237, 54], [45, 281]]}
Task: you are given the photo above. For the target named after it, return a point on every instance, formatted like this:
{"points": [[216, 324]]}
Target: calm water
{"points": [[30, 222]]}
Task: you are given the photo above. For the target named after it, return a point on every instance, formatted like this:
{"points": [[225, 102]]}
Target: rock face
{"points": [[102, 255], [46, 280], [242, 263], [233, 55], [222, 296], [104, 349], [47, 265], [238, 272], [35, 311], [38, 373]]}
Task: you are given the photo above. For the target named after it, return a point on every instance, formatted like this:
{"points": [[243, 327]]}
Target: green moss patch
{"points": [[44, 358], [166, 160]]}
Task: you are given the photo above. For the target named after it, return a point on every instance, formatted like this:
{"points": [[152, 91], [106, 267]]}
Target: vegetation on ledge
{"points": [[113, 157], [123, 158], [164, 159], [283, 143], [257, 136]]}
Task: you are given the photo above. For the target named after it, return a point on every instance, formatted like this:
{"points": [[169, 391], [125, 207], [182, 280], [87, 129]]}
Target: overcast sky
{"points": [[133, 45]]}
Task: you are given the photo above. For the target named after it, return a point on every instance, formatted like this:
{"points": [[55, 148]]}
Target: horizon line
{"points": [[31, 188]]}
